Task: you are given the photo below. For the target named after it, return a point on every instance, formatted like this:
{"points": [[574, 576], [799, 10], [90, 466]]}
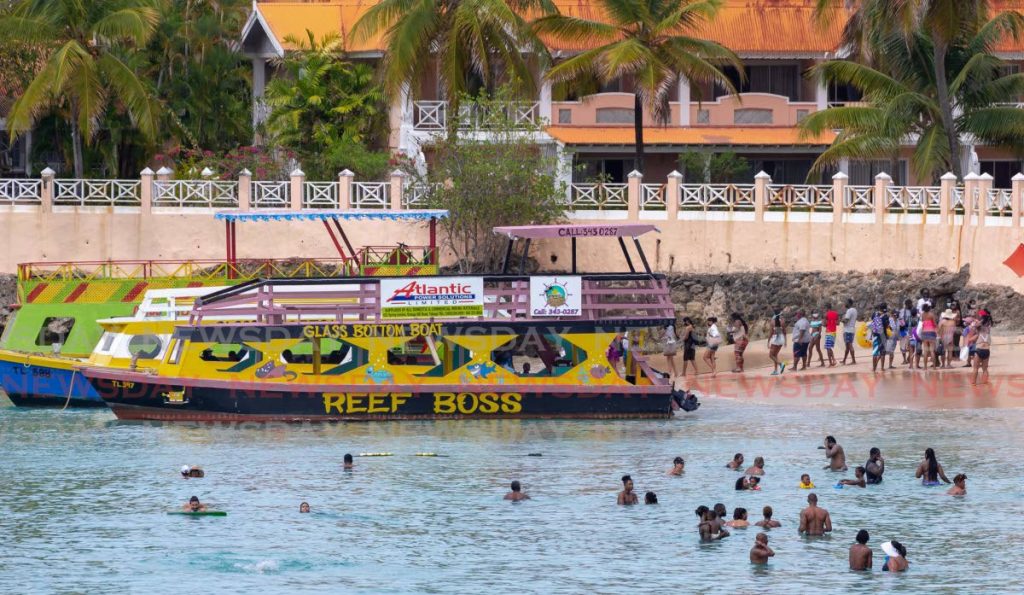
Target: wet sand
{"points": [[856, 386]]}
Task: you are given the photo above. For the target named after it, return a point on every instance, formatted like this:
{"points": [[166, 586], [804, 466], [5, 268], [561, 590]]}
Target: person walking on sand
{"points": [[689, 341], [849, 332], [776, 341], [671, 341], [714, 340], [905, 319], [831, 328], [740, 339], [981, 334], [929, 334], [801, 340], [947, 331], [814, 520], [877, 329], [816, 325]]}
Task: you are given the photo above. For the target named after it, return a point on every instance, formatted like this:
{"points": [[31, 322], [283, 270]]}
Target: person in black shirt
{"points": [[875, 467]]}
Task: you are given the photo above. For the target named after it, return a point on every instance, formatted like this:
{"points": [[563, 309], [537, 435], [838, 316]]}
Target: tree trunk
{"points": [[76, 148], [638, 128], [946, 107]]}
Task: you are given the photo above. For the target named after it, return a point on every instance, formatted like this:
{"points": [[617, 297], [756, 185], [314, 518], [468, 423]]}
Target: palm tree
{"points": [[647, 40], [947, 24], [84, 71], [902, 101], [473, 41]]}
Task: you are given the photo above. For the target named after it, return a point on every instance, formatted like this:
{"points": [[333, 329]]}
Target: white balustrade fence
{"points": [[913, 199], [593, 196], [20, 192], [370, 195], [859, 198], [414, 195], [808, 198], [716, 197], [271, 195], [82, 193], [1000, 202], [320, 195], [433, 115], [652, 197], [195, 193]]}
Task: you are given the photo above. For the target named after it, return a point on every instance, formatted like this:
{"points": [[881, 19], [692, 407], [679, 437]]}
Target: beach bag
{"points": [[965, 352]]}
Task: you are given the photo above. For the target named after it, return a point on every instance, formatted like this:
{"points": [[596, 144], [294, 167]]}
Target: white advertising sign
{"points": [[431, 297], [556, 296]]}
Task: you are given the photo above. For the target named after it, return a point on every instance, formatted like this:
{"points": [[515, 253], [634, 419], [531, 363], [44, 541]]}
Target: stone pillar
{"points": [[397, 187], [675, 180], [634, 182], [164, 174], [684, 101], [1018, 190], [970, 186], [882, 182], [821, 95], [985, 182], [544, 106], [146, 190], [839, 182], [46, 190], [345, 179], [244, 190], [761, 182], [946, 185], [298, 181]]}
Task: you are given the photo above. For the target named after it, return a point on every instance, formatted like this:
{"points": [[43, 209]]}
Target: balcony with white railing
{"points": [[913, 199], [271, 195], [716, 197], [320, 195], [102, 193], [433, 115], [799, 198], [370, 195], [20, 192], [598, 197]]}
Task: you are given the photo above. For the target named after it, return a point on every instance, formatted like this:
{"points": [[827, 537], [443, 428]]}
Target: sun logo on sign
{"points": [[555, 295]]}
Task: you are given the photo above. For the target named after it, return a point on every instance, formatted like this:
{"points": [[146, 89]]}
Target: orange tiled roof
{"points": [[692, 135], [293, 18]]}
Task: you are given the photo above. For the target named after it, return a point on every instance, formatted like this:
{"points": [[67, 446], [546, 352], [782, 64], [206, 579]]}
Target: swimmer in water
{"points": [[929, 471], [348, 464], [895, 557], [757, 468], [860, 482], [650, 498], [678, 466], [806, 483], [708, 529], [185, 470], [517, 493], [736, 463], [760, 553], [720, 513], [739, 519], [700, 512], [875, 467], [748, 483], [768, 522], [304, 507], [627, 497], [814, 520], [835, 454], [860, 553], [959, 486], [194, 505]]}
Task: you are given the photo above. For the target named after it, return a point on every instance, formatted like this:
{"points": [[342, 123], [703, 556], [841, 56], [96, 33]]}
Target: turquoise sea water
{"points": [[84, 504]]}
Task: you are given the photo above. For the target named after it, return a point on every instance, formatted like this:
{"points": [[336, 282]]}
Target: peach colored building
{"points": [[777, 40]]}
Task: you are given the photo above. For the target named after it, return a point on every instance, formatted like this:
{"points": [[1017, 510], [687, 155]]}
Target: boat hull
{"points": [[158, 399], [40, 381]]}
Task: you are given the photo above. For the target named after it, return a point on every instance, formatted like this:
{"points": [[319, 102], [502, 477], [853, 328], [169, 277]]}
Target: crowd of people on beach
{"points": [[924, 336]]}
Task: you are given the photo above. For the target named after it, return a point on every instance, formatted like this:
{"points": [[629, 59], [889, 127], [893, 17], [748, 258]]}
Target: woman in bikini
{"points": [[740, 339], [929, 334], [776, 342], [981, 332]]}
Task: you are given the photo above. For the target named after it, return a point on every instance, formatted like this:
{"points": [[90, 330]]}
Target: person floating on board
{"points": [[194, 505], [517, 494]]}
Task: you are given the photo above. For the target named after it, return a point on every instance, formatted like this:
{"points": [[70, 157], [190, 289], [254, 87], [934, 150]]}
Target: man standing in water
{"points": [[835, 455], [860, 553], [875, 467], [627, 497], [517, 493], [814, 521], [760, 553], [849, 330]]}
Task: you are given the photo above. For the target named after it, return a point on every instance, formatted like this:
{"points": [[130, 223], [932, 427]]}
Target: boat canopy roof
{"points": [[611, 230], [327, 214]]}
